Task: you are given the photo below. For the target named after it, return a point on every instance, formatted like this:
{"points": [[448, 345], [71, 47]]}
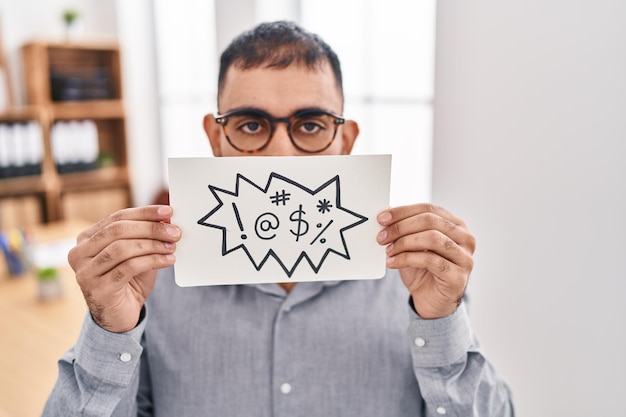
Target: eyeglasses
{"points": [[251, 130]]}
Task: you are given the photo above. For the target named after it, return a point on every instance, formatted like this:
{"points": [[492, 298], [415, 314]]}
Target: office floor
{"points": [[34, 333]]}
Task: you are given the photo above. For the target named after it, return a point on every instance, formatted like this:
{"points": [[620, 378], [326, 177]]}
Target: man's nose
{"points": [[280, 144]]}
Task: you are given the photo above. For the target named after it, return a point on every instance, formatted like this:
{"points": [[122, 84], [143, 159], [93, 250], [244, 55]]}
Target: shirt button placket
{"points": [[283, 368]]}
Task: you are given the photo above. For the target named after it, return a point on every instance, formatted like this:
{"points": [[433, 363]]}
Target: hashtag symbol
{"points": [[280, 198]]}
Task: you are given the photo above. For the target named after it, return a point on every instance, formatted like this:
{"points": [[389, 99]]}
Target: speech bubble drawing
{"points": [[284, 220]]}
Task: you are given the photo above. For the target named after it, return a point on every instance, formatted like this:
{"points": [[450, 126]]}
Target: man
{"points": [[399, 346]]}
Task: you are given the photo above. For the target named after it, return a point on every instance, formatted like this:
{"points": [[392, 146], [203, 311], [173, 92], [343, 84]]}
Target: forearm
{"points": [[99, 376], [454, 376]]}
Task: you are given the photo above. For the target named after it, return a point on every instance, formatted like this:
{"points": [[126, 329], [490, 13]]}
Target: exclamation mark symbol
{"points": [[243, 235]]}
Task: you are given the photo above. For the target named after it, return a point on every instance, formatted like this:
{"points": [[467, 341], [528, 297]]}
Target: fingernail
{"points": [[382, 235], [390, 260], [384, 217], [173, 231], [170, 257], [389, 248], [169, 245], [164, 211]]}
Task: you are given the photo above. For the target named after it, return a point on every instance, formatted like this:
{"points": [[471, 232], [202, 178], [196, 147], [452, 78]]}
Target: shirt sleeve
{"points": [[100, 375], [454, 377]]}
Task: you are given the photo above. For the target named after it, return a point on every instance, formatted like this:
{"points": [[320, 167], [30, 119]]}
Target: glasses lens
{"points": [[313, 131], [248, 131]]}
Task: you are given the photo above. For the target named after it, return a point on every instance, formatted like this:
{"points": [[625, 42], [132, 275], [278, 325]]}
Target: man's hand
{"points": [[433, 251], [116, 260]]}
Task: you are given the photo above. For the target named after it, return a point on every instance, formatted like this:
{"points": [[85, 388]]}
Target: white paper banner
{"points": [[278, 219]]}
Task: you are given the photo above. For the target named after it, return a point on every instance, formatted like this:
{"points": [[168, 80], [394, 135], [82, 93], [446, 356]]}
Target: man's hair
{"points": [[278, 45]]}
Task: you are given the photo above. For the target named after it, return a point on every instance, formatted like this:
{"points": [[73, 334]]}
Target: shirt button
{"points": [[125, 357], [285, 388], [441, 410], [419, 342]]}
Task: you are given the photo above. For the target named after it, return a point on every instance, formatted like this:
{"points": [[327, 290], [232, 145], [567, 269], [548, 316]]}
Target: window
{"points": [[387, 54]]}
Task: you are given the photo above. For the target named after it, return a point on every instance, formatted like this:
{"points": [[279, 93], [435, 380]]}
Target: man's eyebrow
{"points": [[314, 109], [244, 109]]}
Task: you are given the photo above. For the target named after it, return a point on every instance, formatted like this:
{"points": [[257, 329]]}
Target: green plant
{"points": [[69, 16], [47, 274], [105, 159]]}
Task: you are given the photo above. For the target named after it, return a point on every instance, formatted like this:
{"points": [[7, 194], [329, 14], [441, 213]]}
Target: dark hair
{"points": [[278, 45]]}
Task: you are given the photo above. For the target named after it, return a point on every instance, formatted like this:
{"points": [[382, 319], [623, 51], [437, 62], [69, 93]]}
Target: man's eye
{"points": [[310, 127], [251, 127]]}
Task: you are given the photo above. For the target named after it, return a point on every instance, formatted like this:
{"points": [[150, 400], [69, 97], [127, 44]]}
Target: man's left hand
{"points": [[433, 251]]}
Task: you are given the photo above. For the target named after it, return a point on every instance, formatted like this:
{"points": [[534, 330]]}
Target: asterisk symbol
{"points": [[324, 206]]}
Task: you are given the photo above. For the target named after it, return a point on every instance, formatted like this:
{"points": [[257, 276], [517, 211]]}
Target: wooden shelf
{"points": [[20, 114], [67, 82], [11, 187], [94, 45], [98, 178], [88, 109]]}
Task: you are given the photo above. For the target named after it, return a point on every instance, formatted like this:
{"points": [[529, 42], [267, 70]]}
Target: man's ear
{"points": [[213, 131], [349, 133]]}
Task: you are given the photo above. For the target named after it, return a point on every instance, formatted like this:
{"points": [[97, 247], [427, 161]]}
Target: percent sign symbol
{"points": [[322, 240]]}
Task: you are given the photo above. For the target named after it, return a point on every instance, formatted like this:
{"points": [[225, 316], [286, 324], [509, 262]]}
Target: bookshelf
{"points": [[72, 89]]}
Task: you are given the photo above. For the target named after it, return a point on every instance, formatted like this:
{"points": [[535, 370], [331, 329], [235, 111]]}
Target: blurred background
{"points": [[512, 115]]}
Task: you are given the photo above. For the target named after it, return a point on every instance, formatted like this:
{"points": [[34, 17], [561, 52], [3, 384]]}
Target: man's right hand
{"points": [[116, 261]]}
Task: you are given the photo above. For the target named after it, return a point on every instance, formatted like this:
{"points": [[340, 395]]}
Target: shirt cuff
{"points": [[112, 357], [439, 342]]}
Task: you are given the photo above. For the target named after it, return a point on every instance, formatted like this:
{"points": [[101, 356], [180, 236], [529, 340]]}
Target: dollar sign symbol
{"points": [[296, 216]]}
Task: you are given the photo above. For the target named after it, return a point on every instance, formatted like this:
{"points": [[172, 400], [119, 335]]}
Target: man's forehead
{"points": [[280, 90]]}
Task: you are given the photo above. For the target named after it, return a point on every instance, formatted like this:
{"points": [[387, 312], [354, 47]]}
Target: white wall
{"points": [[137, 43], [529, 147]]}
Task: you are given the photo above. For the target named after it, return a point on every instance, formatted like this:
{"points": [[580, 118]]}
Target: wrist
{"points": [[108, 325], [427, 312]]}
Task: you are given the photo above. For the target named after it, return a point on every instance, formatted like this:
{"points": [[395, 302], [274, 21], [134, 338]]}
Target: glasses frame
{"points": [[222, 119]]}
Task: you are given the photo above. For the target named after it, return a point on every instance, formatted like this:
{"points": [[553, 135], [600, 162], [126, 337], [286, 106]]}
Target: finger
{"points": [[118, 277], [146, 213], [449, 275], [427, 221], [121, 250], [125, 229], [433, 241], [132, 267], [395, 214]]}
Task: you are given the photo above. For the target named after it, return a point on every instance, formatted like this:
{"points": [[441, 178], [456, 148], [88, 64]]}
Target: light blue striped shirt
{"points": [[340, 348]]}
